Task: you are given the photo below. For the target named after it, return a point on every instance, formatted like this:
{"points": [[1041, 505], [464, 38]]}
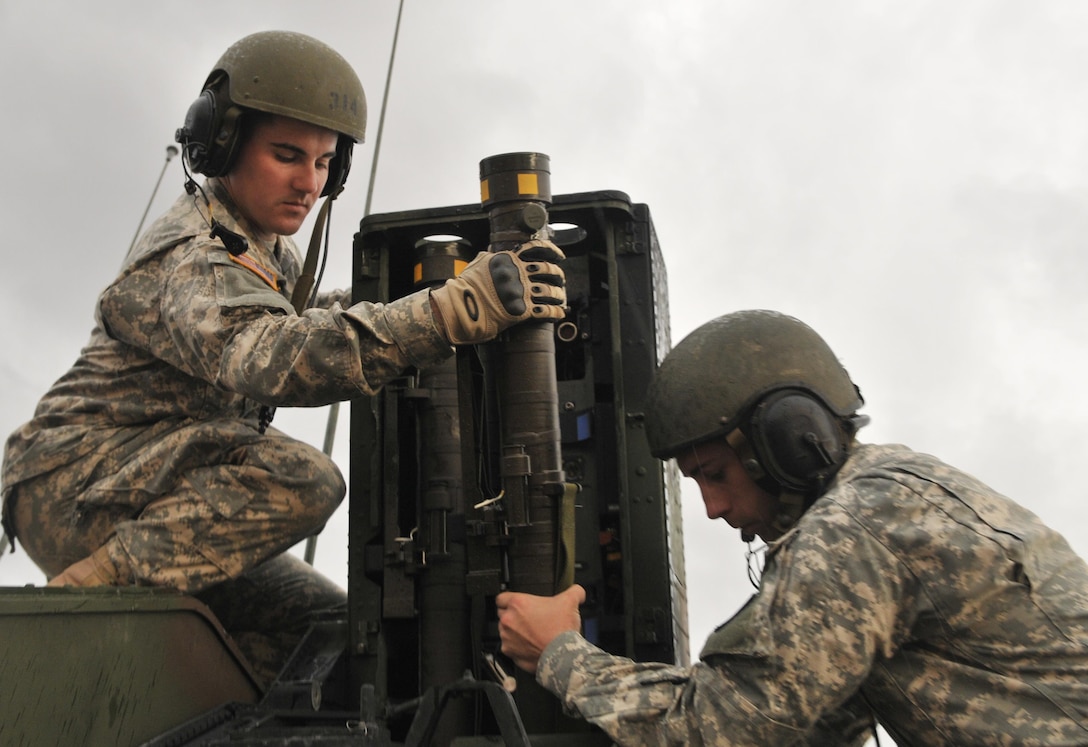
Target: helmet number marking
{"points": [[343, 102]]}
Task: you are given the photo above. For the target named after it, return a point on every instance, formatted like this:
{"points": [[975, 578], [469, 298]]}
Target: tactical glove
{"points": [[499, 289]]}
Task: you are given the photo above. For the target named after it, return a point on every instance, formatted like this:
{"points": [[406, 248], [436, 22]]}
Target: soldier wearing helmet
{"points": [[788, 413], [896, 589], [152, 461]]}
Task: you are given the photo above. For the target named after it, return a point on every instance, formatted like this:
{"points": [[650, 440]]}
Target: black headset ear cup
{"points": [[195, 135], [211, 132], [228, 137], [797, 439], [339, 166]]}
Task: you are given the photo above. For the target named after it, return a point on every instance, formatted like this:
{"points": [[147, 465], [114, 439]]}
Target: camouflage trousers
{"points": [[208, 509]]}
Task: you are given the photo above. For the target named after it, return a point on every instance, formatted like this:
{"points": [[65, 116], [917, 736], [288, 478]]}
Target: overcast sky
{"points": [[910, 178]]}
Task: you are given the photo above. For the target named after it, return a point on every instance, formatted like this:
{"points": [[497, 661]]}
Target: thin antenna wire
{"points": [[171, 151], [334, 408], [381, 115]]}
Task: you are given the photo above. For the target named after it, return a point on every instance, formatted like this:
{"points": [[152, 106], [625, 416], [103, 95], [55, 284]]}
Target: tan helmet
{"points": [[713, 379], [278, 72]]}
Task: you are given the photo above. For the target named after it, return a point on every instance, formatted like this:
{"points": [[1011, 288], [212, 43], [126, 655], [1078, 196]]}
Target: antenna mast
{"points": [[171, 151], [334, 408]]}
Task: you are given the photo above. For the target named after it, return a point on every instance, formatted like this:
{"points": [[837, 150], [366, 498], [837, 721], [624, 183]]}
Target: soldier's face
{"points": [[729, 492], [281, 169]]}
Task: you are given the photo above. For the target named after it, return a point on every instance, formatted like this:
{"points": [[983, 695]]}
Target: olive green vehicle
{"points": [[521, 464]]}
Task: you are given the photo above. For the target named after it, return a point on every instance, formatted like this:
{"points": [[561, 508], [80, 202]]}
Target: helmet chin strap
{"points": [[791, 504], [301, 295], [790, 507]]}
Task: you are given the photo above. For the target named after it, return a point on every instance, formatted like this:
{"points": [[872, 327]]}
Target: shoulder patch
{"points": [[258, 269]]}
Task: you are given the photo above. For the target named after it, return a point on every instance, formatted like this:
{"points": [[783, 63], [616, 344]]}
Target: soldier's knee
{"points": [[305, 477], [333, 488], [324, 493]]}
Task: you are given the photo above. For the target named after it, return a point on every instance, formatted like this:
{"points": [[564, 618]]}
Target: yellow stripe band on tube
{"points": [[417, 270], [527, 184]]}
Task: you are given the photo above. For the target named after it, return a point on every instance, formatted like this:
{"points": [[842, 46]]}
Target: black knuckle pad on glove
{"points": [[508, 285]]}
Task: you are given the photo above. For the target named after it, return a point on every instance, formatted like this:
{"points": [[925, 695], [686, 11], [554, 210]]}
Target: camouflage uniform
{"points": [[150, 444], [909, 587]]}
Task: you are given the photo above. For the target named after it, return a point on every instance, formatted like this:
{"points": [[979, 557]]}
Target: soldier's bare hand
{"points": [[528, 623]]}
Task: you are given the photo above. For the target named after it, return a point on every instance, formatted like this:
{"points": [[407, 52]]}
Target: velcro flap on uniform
{"points": [[241, 281]]}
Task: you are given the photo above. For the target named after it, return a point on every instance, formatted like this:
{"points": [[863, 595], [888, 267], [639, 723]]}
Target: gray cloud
{"points": [[909, 178]]}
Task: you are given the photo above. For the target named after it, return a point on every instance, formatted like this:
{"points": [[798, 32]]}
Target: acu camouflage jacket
{"points": [[188, 331], [909, 588]]}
